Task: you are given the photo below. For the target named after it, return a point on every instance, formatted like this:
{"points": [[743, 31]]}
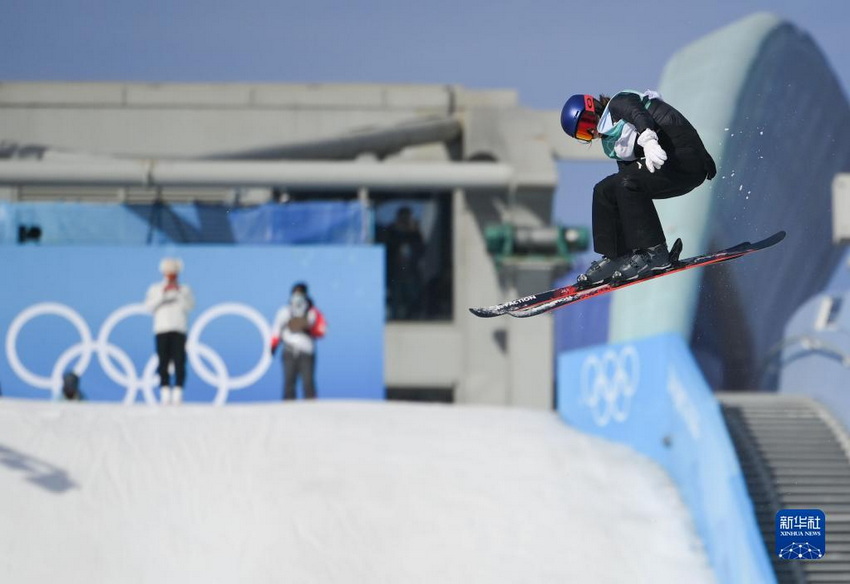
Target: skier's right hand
{"points": [[652, 150]]}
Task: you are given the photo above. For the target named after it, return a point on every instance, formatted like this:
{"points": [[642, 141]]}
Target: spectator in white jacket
{"points": [[170, 303]]}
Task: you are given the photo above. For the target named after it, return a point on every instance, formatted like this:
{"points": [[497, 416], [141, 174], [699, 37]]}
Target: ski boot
{"points": [[642, 263], [598, 273]]}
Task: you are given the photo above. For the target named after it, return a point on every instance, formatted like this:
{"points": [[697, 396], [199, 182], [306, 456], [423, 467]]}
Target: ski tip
{"points": [[484, 312], [772, 240]]}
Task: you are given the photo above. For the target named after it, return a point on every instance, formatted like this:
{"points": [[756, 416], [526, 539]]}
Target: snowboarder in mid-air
{"points": [[659, 155]]}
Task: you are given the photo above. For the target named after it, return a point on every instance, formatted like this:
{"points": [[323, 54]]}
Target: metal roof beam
{"points": [[292, 175]]}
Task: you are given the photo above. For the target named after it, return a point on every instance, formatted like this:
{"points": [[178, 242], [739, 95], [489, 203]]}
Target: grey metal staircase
{"points": [[794, 454]]}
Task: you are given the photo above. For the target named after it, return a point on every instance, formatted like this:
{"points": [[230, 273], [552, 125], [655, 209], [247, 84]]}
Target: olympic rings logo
{"points": [[608, 384], [116, 363]]}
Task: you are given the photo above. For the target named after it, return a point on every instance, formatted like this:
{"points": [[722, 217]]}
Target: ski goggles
{"points": [[586, 126]]}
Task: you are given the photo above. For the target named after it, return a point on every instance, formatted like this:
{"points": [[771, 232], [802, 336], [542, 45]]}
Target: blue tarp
{"points": [[62, 223]]}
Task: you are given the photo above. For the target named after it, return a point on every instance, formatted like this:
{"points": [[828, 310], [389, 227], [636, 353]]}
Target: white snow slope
{"points": [[330, 492]]}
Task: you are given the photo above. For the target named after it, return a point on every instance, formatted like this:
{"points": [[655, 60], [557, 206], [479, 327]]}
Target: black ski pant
{"points": [[295, 365], [171, 348], [624, 214]]}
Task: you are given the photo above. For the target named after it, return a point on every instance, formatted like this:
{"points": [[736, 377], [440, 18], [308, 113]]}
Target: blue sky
{"points": [[545, 49]]}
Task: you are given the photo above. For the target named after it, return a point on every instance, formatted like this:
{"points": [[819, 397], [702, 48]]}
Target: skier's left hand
{"points": [[652, 150]]}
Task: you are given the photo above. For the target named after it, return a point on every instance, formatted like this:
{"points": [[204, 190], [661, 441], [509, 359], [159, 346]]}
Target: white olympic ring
{"points": [[83, 349], [117, 364], [609, 383], [195, 350]]}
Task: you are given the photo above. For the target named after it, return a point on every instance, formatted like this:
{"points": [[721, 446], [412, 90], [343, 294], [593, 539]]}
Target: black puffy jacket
{"points": [[676, 135]]}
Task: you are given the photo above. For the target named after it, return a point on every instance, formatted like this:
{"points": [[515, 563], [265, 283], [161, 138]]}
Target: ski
{"points": [[542, 302]]}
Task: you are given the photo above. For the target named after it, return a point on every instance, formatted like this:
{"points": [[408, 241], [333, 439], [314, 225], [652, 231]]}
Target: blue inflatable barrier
{"points": [[650, 395]]}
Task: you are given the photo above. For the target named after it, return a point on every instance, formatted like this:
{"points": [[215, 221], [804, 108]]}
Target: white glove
{"points": [[652, 150]]}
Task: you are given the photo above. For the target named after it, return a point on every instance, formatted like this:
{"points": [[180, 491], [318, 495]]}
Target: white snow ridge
{"points": [[330, 492]]}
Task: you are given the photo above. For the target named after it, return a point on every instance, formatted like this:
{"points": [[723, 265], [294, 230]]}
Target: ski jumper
{"points": [[624, 214]]}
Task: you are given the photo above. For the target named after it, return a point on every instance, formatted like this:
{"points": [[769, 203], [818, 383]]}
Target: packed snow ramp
{"points": [[330, 492]]}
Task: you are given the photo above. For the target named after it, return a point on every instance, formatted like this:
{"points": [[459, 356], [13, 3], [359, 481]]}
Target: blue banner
{"points": [[309, 222], [80, 309], [651, 395]]}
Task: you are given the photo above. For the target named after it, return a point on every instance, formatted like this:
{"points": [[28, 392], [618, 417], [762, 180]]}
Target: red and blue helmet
{"points": [[579, 117]]}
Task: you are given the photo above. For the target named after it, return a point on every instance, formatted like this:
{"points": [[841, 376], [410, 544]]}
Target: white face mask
{"points": [[298, 304]]}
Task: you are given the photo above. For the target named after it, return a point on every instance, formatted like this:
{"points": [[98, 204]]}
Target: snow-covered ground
{"points": [[330, 492]]}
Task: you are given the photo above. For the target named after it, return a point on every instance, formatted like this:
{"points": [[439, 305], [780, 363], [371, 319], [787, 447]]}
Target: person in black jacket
{"points": [[659, 155]]}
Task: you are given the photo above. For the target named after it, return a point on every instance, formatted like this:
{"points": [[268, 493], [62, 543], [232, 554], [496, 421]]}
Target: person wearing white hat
{"points": [[170, 302]]}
